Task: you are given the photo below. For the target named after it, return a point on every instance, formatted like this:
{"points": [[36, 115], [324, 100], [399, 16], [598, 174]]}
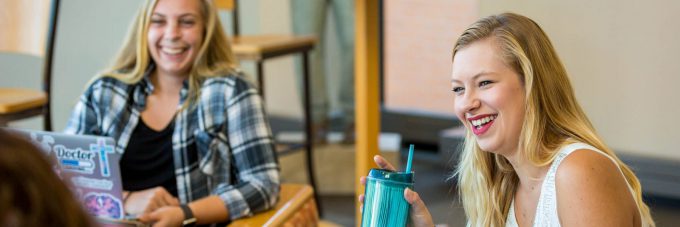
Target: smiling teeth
{"points": [[173, 50], [482, 121]]}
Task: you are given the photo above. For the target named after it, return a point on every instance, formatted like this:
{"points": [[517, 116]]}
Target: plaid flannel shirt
{"points": [[234, 158]]}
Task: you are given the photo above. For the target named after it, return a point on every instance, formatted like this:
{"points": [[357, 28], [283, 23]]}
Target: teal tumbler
{"points": [[384, 203]]}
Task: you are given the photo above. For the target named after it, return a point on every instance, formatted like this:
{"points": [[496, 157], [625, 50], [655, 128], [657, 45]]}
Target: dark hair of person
{"points": [[31, 193]]}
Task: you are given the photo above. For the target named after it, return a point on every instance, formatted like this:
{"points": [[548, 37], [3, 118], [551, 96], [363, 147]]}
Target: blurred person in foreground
{"points": [[31, 193]]}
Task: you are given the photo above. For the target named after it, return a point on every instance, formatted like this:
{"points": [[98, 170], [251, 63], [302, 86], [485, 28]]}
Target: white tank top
{"points": [[546, 209]]}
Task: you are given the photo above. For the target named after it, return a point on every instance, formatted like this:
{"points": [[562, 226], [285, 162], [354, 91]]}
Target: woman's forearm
{"points": [[210, 209]]}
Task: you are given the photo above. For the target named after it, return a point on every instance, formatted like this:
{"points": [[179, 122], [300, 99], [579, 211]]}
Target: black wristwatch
{"points": [[189, 219]]}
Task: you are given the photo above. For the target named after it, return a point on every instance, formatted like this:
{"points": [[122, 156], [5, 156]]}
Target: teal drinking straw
{"points": [[410, 159]]}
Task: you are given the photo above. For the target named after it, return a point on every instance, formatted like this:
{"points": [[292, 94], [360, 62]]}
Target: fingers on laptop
{"points": [[170, 200], [148, 200], [161, 198]]}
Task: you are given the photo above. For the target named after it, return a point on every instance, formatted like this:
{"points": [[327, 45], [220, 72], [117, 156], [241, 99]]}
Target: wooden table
{"points": [[296, 207]]}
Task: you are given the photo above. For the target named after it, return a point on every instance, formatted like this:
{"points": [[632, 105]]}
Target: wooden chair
{"points": [[259, 48], [21, 36], [296, 207]]}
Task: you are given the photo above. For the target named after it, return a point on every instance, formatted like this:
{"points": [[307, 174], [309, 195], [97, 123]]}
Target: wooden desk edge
{"points": [[282, 211]]}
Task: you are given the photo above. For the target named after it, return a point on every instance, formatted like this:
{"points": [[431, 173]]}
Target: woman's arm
{"points": [[253, 155], [253, 165], [591, 191], [207, 210]]}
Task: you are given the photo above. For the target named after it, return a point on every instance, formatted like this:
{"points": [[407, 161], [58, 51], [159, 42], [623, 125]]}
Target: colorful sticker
{"points": [[103, 205], [104, 151]]}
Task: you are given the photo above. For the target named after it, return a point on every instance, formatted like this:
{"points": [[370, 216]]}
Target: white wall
{"points": [[89, 35], [622, 57], [281, 88]]}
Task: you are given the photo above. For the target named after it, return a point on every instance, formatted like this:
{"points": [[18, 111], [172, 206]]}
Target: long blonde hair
{"points": [[214, 58], [553, 118]]}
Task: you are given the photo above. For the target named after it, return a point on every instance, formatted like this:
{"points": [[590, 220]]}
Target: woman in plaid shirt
{"points": [[195, 140]]}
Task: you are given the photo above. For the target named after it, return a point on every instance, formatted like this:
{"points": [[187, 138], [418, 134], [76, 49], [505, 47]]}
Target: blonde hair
{"points": [[553, 118], [214, 57]]}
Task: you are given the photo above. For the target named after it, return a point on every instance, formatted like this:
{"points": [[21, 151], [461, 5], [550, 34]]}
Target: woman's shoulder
{"points": [[236, 81], [105, 87], [589, 184], [582, 164], [586, 163], [102, 83]]}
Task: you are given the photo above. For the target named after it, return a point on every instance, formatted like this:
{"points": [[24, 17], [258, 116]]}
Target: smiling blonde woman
{"points": [[557, 171], [531, 156], [195, 140]]}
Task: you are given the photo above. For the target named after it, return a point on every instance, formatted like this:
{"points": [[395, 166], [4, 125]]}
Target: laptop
{"points": [[91, 166]]}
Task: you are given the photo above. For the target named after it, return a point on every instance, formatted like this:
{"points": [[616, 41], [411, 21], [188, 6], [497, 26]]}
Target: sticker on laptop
{"points": [[75, 160], [103, 205], [92, 183], [104, 151]]}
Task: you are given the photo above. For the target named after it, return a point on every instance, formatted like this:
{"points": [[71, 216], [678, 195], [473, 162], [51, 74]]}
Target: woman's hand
{"points": [[147, 201], [383, 164], [420, 216], [164, 216]]}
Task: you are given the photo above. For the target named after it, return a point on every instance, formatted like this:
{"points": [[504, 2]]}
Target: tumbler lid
{"points": [[384, 174]]}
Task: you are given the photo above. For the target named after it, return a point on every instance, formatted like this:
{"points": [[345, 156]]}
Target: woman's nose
{"points": [[172, 32], [470, 102]]}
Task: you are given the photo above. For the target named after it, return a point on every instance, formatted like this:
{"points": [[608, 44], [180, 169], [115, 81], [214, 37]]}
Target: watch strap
{"points": [[189, 219]]}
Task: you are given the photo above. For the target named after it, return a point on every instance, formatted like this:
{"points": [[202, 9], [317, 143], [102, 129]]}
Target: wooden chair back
{"points": [[28, 27]]}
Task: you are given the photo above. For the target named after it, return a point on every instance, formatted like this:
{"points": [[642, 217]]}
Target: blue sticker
{"points": [[104, 151]]}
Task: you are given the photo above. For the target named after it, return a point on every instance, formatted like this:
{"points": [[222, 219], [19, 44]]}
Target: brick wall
{"points": [[418, 39]]}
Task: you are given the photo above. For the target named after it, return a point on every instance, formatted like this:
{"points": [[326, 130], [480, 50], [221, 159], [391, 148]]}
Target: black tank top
{"points": [[148, 161]]}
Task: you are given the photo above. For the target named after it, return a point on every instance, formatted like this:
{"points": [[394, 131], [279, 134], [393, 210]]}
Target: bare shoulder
{"points": [[584, 164], [591, 191]]}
